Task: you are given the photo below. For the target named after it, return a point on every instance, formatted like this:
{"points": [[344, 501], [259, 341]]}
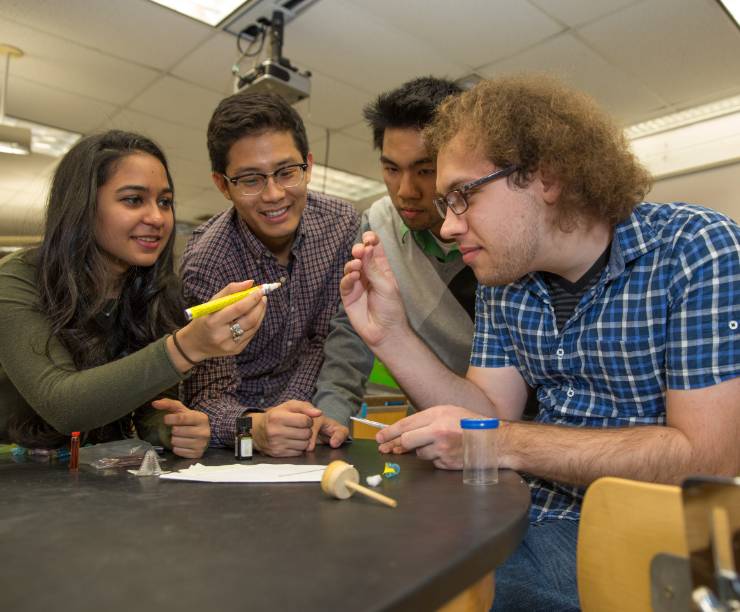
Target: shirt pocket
{"points": [[627, 372]]}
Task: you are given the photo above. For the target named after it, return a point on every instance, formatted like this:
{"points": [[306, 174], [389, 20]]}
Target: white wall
{"points": [[717, 188]]}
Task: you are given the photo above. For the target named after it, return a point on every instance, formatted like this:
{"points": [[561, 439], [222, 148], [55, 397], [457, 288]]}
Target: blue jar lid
{"points": [[479, 423]]}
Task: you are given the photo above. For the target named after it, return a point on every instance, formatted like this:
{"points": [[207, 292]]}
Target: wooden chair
{"points": [[477, 598], [712, 514], [387, 408], [624, 524]]}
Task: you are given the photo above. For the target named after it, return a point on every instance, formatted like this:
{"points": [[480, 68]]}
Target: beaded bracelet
{"points": [[179, 349]]}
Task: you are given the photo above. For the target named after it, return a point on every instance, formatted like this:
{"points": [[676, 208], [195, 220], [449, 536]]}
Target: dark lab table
{"points": [[112, 541]]}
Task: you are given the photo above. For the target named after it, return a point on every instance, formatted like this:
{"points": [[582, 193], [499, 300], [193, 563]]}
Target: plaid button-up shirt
{"points": [[664, 315], [283, 359]]}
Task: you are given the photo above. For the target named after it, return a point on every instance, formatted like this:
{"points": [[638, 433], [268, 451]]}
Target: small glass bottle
{"points": [[480, 460], [243, 438], [74, 451]]}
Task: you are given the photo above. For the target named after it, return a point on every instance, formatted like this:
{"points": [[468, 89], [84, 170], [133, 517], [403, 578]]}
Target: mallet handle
{"points": [[370, 493]]}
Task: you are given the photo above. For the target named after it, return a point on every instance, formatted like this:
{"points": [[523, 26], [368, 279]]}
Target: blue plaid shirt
{"points": [[663, 315]]}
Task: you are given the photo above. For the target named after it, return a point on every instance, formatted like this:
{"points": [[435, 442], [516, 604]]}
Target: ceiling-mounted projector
{"points": [[276, 74]]}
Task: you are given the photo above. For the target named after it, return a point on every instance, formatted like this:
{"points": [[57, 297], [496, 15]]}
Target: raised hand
{"points": [[370, 293], [225, 332]]}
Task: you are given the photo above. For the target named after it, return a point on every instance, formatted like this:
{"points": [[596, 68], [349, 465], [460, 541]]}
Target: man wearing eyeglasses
{"points": [[437, 288], [275, 231], [621, 315]]}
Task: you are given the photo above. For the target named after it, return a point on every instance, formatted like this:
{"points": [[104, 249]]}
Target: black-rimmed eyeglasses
{"points": [[254, 183], [456, 199]]}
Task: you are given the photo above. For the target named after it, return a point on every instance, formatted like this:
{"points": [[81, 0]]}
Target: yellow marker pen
{"points": [[219, 303]]}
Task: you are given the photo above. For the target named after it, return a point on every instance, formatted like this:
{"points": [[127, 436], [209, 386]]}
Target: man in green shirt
{"points": [[438, 289]]}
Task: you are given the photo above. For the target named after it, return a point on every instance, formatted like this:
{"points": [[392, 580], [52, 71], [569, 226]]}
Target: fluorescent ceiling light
{"points": [[694, 139], [686, 117], [344, 184], [733, 9], [211, 12], [46, 140]]}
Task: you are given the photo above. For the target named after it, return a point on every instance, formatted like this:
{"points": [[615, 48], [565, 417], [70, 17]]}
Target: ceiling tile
{"points": [[176, 140], [194, 202], [360, 131], [488, 30], [58, 63], [577, 12], [685, 51], [177, 101], [189, 173], [353, 46], [131, 29], [36, 102], [86, 59], [350, 155], [314, 133], [707, 189], [567, 58], [209, 65], [332, 104]]}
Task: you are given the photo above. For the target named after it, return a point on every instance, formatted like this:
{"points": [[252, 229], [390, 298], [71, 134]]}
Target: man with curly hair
{"points": [[620, 315]]}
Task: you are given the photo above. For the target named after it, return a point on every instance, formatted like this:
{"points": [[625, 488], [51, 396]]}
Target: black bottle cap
{"points": [[243, 424]]}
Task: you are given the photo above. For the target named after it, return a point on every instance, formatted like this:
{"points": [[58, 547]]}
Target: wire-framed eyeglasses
{"points": [[254, 183], [456, 199]]}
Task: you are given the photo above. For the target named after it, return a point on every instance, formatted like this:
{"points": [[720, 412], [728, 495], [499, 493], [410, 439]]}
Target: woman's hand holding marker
{"points": [[224, 331]]}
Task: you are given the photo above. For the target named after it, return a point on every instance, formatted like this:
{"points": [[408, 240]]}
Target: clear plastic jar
{"points": [[480, 460]]}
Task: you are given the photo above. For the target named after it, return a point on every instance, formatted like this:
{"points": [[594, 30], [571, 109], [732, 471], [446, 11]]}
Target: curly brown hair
{"points": [[536, 123]]}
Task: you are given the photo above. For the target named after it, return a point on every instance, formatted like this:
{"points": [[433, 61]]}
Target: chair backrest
{"points": [[386, 408], [712, 517], [624, 524]]}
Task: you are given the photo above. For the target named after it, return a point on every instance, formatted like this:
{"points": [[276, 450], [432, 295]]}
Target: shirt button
{"points": [[570, 393], [292, 309], [289, 342], [560, 352], [733, 325], [283, 280]]}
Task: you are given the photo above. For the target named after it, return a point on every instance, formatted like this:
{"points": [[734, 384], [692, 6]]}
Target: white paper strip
{"points": [[259, 472]]}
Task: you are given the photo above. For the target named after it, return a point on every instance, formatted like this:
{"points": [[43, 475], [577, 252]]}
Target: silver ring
{"points": [[236, 331]]}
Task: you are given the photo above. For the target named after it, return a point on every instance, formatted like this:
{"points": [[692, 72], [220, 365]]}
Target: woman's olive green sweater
{"points": [[38, 379]]}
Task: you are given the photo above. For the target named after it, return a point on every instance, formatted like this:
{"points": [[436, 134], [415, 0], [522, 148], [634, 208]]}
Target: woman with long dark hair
{"points": [[89, 319]]}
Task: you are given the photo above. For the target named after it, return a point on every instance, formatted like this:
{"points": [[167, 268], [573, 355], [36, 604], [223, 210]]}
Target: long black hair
{"points": [[72, 276]]}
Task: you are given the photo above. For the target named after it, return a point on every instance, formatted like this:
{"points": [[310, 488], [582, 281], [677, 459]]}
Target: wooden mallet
{"points": [[340, 480]]}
